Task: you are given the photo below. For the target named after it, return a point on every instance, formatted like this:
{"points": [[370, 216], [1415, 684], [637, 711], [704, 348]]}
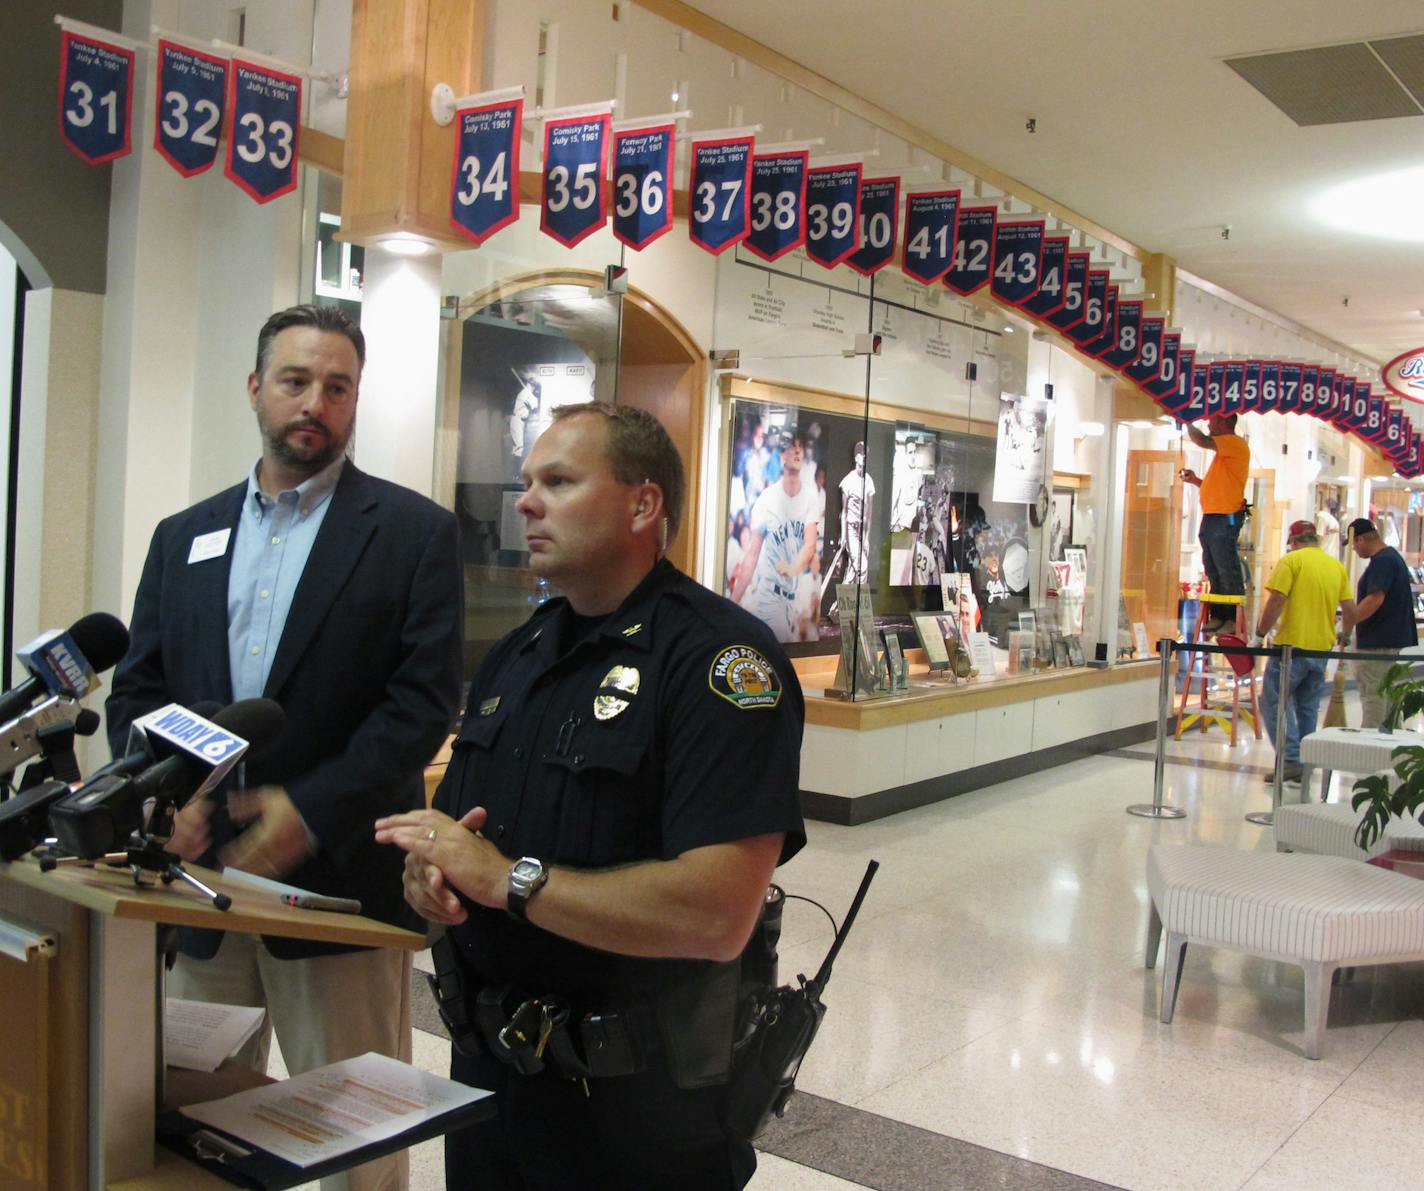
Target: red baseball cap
{"points": [[1300, 529]]}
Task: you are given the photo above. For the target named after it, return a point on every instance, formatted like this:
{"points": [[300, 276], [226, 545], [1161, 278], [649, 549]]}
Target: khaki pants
{"points": [[324, 1009], [1368, 676]]}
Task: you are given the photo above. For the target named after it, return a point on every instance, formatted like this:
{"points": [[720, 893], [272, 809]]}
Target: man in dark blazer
{"points": [[339, 596]]}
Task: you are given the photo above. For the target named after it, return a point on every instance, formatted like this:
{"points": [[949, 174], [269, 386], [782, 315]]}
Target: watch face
{"points": [[526, 870]]}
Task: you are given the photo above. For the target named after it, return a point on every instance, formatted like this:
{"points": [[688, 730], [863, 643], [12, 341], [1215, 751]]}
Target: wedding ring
{"points": [[430, 835]]}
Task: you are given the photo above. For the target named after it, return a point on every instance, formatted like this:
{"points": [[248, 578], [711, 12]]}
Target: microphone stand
{"points": [[146, 857]]}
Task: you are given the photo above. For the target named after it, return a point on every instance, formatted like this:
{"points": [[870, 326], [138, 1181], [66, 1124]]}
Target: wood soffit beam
{"points": [[709, 29]]}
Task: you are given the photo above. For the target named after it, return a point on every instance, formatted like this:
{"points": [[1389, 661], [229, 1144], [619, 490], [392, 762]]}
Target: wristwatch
{"points": [[526, 877]]}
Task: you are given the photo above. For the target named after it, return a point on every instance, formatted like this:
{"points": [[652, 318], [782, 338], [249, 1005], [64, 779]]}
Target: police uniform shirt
{"points": [[673, 724]]}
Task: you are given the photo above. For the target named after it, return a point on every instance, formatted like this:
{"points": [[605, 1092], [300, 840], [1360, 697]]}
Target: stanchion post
{"points": [[1268, 818], [1156, 809]]}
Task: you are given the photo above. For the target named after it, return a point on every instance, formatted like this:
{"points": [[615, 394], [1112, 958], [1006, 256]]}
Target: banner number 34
{"points": [[493, 184]]}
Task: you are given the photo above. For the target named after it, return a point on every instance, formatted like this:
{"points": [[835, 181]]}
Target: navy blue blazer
{"points": [[367, 670]]}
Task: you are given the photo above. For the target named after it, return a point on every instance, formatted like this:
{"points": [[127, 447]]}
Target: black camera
{"points": [[99, 818]]}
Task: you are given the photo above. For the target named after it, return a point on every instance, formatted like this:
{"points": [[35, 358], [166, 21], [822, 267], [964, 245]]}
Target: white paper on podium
{"points": [[336, 1109], [199, 1036]]}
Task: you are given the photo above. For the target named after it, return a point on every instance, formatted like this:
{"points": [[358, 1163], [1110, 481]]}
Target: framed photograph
{"points": [[898, 667], [1075, 650], [932, 638]]}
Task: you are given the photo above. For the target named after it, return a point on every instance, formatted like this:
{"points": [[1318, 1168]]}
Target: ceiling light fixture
{"points": [[1385, 206], [406, 244]]}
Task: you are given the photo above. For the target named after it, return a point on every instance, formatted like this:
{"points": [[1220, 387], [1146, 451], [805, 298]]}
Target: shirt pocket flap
{"points": [[615, 755], [481, 731]]}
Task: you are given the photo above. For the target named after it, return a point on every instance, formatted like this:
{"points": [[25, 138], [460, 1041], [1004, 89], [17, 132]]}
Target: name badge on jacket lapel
{"points": [[209, 545]]}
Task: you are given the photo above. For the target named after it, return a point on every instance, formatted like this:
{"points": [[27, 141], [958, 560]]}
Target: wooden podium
{"points": [[81, 1017]]}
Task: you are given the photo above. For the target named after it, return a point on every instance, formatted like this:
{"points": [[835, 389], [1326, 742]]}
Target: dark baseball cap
{"points": [[1360, 526]]}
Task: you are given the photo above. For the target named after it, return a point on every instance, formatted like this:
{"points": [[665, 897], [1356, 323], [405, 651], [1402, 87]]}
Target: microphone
{"points": [[141, 752], [66, 663], [102, 814]]}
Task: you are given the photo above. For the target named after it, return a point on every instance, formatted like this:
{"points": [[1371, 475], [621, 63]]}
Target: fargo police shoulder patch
{"points": [[743, 676]]}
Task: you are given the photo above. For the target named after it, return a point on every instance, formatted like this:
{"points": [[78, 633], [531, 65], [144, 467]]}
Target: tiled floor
{"points": [[994, 994]]}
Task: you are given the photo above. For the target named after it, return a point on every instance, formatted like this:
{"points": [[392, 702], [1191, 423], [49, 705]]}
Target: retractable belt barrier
{"points": [[1166, 647]]}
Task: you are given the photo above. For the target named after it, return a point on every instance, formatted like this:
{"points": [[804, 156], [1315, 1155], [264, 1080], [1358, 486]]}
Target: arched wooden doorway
{"points": [[639, 354]]}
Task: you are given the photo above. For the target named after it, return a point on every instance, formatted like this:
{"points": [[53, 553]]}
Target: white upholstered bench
{"points": [[1318, 912], [1328, 829]]}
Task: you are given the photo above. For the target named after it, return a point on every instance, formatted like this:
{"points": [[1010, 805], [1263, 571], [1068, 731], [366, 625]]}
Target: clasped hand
{"points": [[444, 855]]}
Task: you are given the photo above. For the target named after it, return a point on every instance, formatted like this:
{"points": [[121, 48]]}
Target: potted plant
{"points": [[1373, 794]]}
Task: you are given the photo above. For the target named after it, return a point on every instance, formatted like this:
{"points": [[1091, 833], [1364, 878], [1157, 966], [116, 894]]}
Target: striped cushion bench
{"points": [[1317, 912], [1328, 829]]}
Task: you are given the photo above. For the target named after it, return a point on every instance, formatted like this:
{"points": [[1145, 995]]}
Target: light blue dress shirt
{"points": [[271, 547]]}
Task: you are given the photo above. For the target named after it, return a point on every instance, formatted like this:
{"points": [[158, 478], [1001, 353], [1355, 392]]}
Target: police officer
{"points": [[623, 784]]}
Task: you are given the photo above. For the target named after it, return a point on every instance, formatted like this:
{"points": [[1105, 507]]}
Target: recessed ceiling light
{"points": [[1385, 206]]}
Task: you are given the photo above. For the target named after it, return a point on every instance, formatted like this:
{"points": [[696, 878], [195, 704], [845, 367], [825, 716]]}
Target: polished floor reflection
{"points": [[991, 1023]]}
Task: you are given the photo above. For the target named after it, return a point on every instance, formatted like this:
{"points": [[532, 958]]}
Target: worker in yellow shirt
{"points": [[1305, 589], [1223, 507]]}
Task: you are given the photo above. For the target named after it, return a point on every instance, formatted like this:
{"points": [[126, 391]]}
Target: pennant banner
{"points": [[265, 110], [879, 222], [1148, 364], [778, 203], [1288, 402], [832, 213], [1090, 325], [192, 87], [642, 184], [1250, 386], [972, 264], [1195, 409], [1309, 388], [1215, 389], [930, 221], [96, 82], [1326, 393], [1168, 379], [719, 194], [1180, 399], [575, 199], [1075, 286], [1018, 257], [1052, 266], [484, 185], [1107, 332], [1127, 341], [1270, 386], [1233, 380]]}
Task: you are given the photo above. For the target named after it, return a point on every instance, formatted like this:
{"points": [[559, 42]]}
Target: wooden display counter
{"points": [[873, 757]]}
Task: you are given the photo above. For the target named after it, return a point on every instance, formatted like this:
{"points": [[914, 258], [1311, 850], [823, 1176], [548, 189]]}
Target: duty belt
{"points": [[532, 1033], [535, 1033]]}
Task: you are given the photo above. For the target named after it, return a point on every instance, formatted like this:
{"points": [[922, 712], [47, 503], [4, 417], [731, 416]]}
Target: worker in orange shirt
{"points": [[1223, 510]]}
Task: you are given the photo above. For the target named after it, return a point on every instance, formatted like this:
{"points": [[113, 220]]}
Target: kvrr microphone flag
{"points": [[96, 82], [265, 110]]}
